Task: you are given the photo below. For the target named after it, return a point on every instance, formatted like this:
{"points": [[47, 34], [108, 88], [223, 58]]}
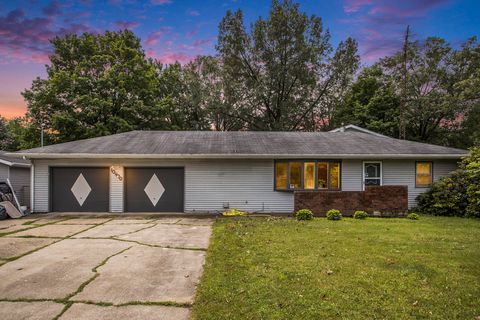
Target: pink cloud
{"points": [[193, 13], [169, 57], [201, 42], [193, 31], [160, 2], [25, 39], [379, 26], [355, 5], [153, 37], [126, 24]]}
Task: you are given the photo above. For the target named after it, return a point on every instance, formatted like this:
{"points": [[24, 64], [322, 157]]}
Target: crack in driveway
{"points": [[151, 277]]}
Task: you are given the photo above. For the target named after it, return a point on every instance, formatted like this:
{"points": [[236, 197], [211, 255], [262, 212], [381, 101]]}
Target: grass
{"points": [[279, 268]]}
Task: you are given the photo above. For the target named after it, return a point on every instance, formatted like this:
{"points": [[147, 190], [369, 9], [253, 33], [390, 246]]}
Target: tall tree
{"points": [[403, 100], [281, 73], [434, 101], [96, 85], [199, 98], [371, 103]]}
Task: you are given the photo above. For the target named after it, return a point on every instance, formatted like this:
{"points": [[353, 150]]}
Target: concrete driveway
{"points": [[100, 268]]}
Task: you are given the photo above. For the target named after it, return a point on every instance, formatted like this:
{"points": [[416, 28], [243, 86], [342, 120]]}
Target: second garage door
{"points": [[154, 189]]}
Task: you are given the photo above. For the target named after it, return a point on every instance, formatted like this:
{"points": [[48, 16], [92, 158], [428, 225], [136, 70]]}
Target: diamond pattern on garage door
{"points": [[81, 189], [154, 189]]}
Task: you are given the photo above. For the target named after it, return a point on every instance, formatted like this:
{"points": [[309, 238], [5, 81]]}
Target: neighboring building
{"points": [[18, 172], [192, 171]]}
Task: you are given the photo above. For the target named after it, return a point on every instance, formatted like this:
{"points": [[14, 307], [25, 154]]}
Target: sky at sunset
{"points": [[179, 29]]}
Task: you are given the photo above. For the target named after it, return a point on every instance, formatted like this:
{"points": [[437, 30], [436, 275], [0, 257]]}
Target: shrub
{"points": [[413, 216], [457, 194], [334, 214], [304, 214], [446, 197], [471, 165], [234, 212], [360, 215]]}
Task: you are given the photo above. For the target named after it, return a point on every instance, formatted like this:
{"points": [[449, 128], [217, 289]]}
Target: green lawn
{"points": [[278, 268]]}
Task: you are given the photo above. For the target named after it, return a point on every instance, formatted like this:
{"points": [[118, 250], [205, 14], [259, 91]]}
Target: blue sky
{"points": [[179, 30]]}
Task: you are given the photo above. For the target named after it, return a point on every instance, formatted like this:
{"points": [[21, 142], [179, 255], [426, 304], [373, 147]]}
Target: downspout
{"points": [[32, 186]]}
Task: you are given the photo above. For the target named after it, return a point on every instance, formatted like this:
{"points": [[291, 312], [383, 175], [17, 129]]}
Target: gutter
{"points": [[238, 156], [14, 164]]}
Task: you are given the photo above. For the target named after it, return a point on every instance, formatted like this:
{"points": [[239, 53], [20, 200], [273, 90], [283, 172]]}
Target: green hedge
{"points": [[457, 194]]}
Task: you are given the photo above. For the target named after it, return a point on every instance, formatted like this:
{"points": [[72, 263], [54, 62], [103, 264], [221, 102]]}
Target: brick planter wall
{"points": [[376, 200]]}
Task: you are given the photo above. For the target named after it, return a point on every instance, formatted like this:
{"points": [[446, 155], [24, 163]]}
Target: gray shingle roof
{"points": [[235, 144], [13, 161]]}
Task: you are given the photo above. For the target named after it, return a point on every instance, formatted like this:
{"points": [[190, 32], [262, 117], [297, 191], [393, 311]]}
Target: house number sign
{"points": [[116, 174]]}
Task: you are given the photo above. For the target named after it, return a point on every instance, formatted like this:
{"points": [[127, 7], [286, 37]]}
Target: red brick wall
{"points": [[381, 200]]}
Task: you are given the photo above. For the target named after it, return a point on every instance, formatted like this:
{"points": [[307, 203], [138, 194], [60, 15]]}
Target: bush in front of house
{"points": [[413, 216], [334, 214], [360, 215], [457, 194], [446, 197], [304, 214], [471, 165]]}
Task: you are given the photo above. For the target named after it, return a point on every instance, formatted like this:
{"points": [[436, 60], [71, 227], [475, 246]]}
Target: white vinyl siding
{"points": [[4, 171], [402, 172], [442, 168], [244, 184], [352, 175], [20, 180]]}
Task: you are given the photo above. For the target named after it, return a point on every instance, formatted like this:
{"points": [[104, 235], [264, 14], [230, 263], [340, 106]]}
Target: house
{"points": [[16, 170], [194, 171]]}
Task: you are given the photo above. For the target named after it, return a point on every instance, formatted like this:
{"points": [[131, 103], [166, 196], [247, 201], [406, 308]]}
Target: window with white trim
{"points": [[423, 174], [307, 175], [372, 173]]}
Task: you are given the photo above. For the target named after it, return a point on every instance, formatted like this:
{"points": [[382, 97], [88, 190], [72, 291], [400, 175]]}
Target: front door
{"points": [[372, 173]]}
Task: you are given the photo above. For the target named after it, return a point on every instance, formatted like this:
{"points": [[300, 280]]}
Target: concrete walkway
{"points": [[94, 267]]}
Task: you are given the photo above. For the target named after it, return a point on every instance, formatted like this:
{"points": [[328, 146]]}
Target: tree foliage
{"points": [[282, 73], [457, 194], [471, 165], [436, 92], [5, 137], [371, 103], [96, 85]]}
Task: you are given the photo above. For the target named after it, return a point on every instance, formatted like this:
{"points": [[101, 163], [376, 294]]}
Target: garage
{"points": [[79, 189], [154, 189]]}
